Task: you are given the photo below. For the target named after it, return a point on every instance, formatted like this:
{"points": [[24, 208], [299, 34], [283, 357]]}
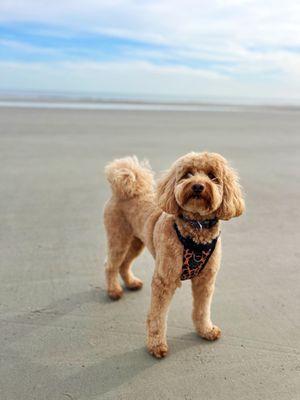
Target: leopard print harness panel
{"points": [[195, 255]]}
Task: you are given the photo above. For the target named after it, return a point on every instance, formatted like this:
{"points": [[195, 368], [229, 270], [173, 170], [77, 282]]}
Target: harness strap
{"points": [[189, 243], [195, 255]]}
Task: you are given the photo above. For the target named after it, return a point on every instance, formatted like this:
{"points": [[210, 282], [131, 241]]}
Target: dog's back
{"points": [[126, 219]]}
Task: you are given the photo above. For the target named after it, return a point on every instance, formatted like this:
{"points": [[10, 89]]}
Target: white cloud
{"points": [[252, 40], [171, 21]]}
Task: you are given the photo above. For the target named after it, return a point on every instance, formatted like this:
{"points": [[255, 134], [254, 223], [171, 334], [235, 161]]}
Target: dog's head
{"points": [[201, 183]]}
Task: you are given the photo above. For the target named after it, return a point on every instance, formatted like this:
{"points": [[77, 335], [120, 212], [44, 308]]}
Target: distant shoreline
{"points": [[133, 105], [89, 100], [116, 105]]}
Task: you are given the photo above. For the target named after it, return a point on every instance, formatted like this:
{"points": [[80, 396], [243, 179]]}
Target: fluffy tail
{"points": [[129, 178]]}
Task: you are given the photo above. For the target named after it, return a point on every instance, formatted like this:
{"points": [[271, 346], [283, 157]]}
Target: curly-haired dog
{"points": [[179, 222]]}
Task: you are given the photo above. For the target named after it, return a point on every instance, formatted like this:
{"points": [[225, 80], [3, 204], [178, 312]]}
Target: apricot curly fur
{"points": [[139, 215]]}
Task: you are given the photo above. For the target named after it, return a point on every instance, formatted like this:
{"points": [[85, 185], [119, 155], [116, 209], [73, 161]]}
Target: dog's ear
{"points": [[233, 204], [165, 192]]}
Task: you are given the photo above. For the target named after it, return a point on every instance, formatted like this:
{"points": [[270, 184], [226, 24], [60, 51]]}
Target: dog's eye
{"points": [[187, 175], [212, 177]]}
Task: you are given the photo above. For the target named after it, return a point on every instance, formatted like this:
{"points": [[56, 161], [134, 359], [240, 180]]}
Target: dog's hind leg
{"points": [[131, 281], [119, 238]]}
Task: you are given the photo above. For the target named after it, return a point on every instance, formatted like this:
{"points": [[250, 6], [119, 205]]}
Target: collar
{"points": [[197, 224], [189, 243]]}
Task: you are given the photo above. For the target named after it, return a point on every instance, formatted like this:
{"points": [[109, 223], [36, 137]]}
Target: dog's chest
{"points": [[195, 255]]}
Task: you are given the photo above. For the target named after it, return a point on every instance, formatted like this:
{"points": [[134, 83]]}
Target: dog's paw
{"points": [[158, 351], [210, 334], [115, 294], [135, 284]]}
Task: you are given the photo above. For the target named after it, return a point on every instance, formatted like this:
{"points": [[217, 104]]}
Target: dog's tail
{"points": [[129, 178]]}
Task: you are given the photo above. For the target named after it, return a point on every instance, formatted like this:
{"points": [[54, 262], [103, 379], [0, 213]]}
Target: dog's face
{"points": [[201, 183], [197, 188]]}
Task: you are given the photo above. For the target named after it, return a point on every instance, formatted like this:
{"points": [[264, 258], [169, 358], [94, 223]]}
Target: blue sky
{"points": [[218, 48]]}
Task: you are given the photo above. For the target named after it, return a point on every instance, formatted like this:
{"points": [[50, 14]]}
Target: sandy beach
{"points": [[61, 338]]}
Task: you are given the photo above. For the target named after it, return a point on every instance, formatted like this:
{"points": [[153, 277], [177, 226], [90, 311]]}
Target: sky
{"points": [[181, 48]]}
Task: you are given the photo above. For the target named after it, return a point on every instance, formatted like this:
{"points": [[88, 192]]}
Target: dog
{"points": [[179, 223]]}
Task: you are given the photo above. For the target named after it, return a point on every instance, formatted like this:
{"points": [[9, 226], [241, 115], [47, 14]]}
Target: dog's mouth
{"points": [[200, 200], [195, 196]]}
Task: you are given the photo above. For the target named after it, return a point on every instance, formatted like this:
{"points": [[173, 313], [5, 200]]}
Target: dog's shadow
{"points": [[44, 316], [113, 372], [110, 373]]}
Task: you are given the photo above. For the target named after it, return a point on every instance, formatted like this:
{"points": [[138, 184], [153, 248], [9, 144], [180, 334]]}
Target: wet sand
{"points": [[61, 338]]}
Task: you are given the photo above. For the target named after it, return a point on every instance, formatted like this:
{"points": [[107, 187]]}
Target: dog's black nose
{"points": [[197, 188]]}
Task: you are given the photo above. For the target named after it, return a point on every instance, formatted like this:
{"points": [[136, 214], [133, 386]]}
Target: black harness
{"points": [[195, 255]]}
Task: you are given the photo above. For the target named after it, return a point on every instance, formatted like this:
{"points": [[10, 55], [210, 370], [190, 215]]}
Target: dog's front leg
{"points": [[162, 293], [203, 289]]}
